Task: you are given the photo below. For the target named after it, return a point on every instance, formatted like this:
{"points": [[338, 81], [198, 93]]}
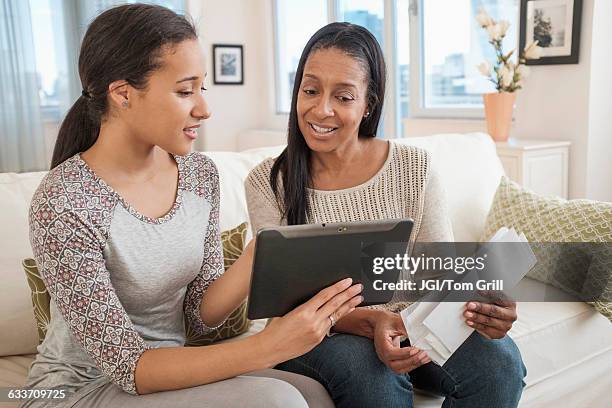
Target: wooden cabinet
{"points": [[539, 165]]}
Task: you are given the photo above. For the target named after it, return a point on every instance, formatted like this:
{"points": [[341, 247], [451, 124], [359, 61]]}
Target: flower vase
{"points": [[498, 108]]}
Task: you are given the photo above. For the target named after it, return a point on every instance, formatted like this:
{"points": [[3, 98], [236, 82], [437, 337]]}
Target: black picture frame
{"points": [[573, 57], [228, 64]]}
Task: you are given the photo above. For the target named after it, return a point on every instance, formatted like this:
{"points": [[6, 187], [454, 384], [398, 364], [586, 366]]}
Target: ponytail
{"points": [[122, 43], [77, 133]]}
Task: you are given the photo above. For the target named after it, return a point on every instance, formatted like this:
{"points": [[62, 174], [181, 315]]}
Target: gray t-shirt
{"points": [[120, 282]]}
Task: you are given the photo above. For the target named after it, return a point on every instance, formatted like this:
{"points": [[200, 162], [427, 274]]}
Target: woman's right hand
{"points": [[300, 330]]}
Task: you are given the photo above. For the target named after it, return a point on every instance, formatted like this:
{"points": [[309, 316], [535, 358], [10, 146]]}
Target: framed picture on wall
{"points": [[555, 24], [228, 64]]}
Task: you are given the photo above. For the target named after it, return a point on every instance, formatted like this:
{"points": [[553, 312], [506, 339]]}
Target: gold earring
{"points": [[125, 104]]}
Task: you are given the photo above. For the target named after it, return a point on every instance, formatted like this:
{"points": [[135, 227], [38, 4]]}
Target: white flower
{"points": [[494, 31], [503, 27], [533, 50], [506, 75], [483, 18], [523, 70], [485, 68]]}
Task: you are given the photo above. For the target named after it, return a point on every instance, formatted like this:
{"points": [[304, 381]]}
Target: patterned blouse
{"points": [[120, 282]]}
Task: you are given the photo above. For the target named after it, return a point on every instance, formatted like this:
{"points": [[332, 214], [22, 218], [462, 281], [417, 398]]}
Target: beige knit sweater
{"points": [[406, 186]]}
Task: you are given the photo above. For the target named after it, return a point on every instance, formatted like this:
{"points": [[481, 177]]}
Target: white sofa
{"points": [[567, 347]]}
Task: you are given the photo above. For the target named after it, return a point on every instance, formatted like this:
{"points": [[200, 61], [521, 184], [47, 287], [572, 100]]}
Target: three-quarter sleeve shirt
{"points": [[120, 282], [406, 186]]}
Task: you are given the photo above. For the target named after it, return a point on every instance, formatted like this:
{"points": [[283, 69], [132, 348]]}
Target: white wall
{"points": [[570, 102], [426, 127], [555, 105], [271, 119], [234, 107], [599, 151]]}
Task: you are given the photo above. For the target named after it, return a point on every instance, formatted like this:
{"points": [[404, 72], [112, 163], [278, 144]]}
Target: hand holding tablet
{"points": [[293, 263], [300, 330]]}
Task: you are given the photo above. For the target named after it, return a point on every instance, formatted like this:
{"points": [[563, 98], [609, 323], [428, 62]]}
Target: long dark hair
{"points": [[122, 43], [293, 164]]}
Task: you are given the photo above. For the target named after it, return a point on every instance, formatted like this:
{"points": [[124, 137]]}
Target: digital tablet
{"points": [[293, 263]]}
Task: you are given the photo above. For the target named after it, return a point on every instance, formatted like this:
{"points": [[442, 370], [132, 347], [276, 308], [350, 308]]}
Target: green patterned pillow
{"points": [[553, 219], [40, 297], [236, 324]]}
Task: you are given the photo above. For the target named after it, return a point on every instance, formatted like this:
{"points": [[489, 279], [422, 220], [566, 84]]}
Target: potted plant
{"points": [[506, 74]]}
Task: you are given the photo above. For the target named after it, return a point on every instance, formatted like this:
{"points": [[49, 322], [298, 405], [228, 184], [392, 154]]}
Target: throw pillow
{"points": [[40, 297], [552, 219], [236, 324]]}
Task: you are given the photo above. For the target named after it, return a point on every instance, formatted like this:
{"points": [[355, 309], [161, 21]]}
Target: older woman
{"points": [[334, 169]]}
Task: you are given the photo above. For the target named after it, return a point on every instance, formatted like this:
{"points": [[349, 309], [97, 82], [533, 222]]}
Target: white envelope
{"points": [[439, 328]]}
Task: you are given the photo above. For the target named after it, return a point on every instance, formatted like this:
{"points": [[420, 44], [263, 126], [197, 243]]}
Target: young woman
{"points": [[334, 169], [125, 230]]}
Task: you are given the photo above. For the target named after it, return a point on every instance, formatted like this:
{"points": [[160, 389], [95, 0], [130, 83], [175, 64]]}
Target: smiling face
{"points": [[332, 99], [168, 112]]}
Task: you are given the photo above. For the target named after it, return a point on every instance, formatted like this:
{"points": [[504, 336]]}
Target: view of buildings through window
{"points": [[50, 55], [454, 44], [296, 21], [451, 43], [367, 13]]}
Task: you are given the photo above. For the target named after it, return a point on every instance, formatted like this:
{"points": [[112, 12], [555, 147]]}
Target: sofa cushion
{"points": [[233, 169], [237, 323], [553, 219], [17, 325], [558, 336], [470, 171]]}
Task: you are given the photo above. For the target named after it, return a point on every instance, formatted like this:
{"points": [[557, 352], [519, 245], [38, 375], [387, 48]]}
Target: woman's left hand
{"points": [[493, 320], [387, 331]]}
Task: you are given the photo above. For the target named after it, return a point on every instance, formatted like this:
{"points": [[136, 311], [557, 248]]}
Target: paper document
{"points": [[439, 328]]}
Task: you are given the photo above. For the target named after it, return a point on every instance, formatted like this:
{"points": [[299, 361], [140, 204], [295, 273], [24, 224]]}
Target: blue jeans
{"points": [[481, 373]]}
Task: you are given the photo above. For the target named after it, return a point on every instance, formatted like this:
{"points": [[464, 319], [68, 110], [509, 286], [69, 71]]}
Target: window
{"points": [[371, 15], [87, 10], [296, 21], [432, 48], [56, 50], [367, 13], [452, 44], [52, 71], [39, 46], [402, 41]]}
